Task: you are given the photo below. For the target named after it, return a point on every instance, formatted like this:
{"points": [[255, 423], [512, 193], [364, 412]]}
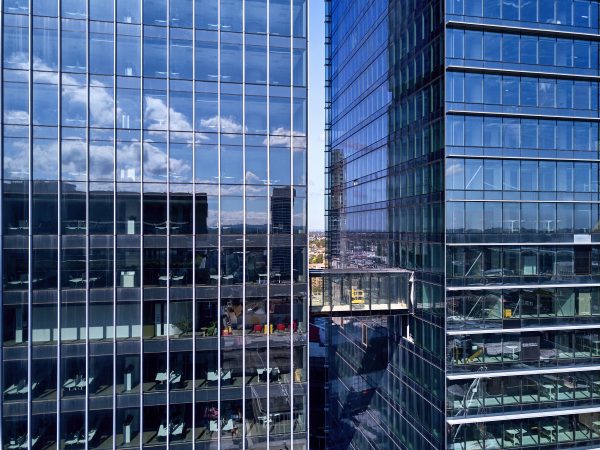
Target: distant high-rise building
{"points": [[153, 210], [463, 149]]}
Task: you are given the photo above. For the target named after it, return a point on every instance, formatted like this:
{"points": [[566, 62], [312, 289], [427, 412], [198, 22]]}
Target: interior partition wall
{"points": [[154, 289]]}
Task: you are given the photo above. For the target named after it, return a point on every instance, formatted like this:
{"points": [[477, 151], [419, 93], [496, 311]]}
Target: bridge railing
{"points": [[364, 290]]}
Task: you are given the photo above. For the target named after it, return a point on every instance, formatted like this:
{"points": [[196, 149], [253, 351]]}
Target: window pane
{"points": [[155, 12], [256, 16], [279, 22], [180, 14]]}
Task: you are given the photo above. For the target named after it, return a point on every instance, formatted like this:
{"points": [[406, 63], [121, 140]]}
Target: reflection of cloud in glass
{"points": [[101, 161], [252, 178], [101, 106], [155, 163], [180, 169], [454, 169], [231, 189], [128, 161], [45, 159], [155, 114], [73, 158], [228, 124], [256, 218], [254, 190], [16, 164], [283, 137], [21, 117], [231, 217], [18, 60], [215, 179], [101, 100]]}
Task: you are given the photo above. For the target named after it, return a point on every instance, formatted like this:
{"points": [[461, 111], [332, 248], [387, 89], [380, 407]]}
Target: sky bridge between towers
{"points": [[360, 291]]}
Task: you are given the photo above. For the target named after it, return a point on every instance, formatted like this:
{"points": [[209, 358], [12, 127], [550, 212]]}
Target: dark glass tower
{"points": [[153, 209], [463, 146]]}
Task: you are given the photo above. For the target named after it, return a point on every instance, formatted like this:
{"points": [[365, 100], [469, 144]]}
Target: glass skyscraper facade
{"points": [[463, 146], [153, 209], [522, 224]]}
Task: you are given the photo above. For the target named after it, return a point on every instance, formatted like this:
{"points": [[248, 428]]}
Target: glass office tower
{"points": [[153, 224], [464, 146]]}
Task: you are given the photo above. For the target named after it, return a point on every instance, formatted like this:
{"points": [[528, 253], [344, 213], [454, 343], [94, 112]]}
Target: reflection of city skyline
{"points": [[143, 301]]}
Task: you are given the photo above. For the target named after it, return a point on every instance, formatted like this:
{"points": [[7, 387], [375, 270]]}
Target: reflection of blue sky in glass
{"points": [[155, 108], [316, 115]]}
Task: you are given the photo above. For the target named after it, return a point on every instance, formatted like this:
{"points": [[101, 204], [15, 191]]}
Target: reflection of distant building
{"points": [[281, 224], [466, 153], [281, 209], [144, 302], [335, 186], [201, 213]]}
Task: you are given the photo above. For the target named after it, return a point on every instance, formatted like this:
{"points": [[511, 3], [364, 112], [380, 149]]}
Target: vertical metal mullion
{"points": [[291, 192], [269, 225], [114, 236], [194, 324], [59, 237], [87, 228], [2, 233], [29, 231], [2, 242], [219, 238], [168, 312], [244, 224], [141, 236], [306, 301]]}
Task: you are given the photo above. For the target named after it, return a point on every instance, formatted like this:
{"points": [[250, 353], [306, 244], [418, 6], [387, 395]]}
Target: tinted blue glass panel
{"points": [[256, 16], [280, 17], [45, 104], [128, 55], [44, 8], [207, 60], [279, 66], [15, 108], [207, 14], [16, 47], [128, 11], [231, 15], [231, 114], [101, 53], [74, 9], [155, 12], [181, 58], [491, 8], [155, 57], [256, 114], [74, 49], [101, 10], [299, 18], [181, 13], [256, 64], [231, 63]]}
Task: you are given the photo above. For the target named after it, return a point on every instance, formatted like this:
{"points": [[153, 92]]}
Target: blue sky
{"points": [[316, 115]]}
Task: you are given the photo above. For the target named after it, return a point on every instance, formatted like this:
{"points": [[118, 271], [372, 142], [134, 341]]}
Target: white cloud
{"points": [[73, 159], [155, 163], [454, 169], [228, 124], [101, 162], [155, 114], [16, 160], [252, 178]]}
